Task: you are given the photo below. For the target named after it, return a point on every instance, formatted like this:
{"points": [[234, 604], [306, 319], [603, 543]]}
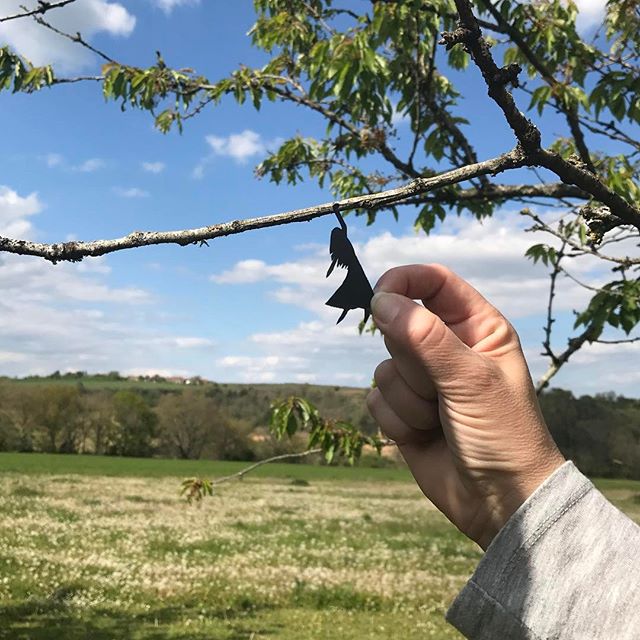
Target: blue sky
{"points": [[250, 307]]}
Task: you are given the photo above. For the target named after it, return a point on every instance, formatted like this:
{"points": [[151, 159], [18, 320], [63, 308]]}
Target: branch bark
{"points": [[569, 111], [576, 173], [575, 344], [555, 190], [285, 456], [76, 251], [43, 7]]}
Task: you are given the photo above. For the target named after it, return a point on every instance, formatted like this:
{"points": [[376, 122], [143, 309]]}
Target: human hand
{"points": [[457, 398]]}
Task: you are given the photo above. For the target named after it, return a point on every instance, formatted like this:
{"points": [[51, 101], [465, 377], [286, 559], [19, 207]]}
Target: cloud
{"points": [[41, 46], [590, 13], [130, 192], [239, 146], [198, 171], [90, 165], [169, 5], [264, 368], [13, 211], [53, 160], [70, 316], [154, 167]]}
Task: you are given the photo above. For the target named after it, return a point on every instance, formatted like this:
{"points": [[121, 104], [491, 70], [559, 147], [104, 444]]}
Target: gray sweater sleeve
{"points": [[565, 566]]}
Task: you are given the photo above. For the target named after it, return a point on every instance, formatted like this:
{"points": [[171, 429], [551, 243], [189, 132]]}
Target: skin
{"points": [[457, 398]]}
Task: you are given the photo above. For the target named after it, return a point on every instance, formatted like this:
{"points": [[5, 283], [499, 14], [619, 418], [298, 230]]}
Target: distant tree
{"points": [[231, 439], [98, 426], [17, 417], [134, 425], [57, 414], [186, 423]]}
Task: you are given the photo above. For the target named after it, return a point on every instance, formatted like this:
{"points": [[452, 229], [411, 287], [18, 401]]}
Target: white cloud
{"points": [[189, 342], [53, 160], [70, 316], [398, 117], [239, 146], [154, 167], [131, 192], [42, 46], [151, 371], [90, 165], [198, 171], [590, 13], [169, 5], [264, 368], [14, 209]]}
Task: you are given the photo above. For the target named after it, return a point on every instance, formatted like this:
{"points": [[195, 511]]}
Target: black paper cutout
{"points": [[355, 292]]}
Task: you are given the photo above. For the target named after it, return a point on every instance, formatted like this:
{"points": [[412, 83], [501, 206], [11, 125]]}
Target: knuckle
{"points": [[372, 400], [422, 328], [384, 373]]}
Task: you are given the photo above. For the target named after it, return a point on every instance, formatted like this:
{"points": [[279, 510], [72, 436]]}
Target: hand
{"points": [[457, 398]]}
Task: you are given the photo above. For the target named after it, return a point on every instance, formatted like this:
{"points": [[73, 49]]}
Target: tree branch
{"points": [[588, 335], [43, 7], [74, 38], [569, 111], [496, 79], [493, 191], [77, 250], [541, 225], [285, 456], [386, 151], [548, 327]]}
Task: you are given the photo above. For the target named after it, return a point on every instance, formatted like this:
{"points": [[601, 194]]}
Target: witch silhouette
{"points": [[355, 292]]}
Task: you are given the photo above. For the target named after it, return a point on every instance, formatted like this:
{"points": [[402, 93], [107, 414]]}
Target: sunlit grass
{"points": [[122, 557]]}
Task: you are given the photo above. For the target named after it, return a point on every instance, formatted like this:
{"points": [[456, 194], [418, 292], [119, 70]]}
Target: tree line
{"points": [[600, 433]]}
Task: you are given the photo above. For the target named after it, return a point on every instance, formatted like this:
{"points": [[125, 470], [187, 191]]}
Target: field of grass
{"points": [[97, 548]]}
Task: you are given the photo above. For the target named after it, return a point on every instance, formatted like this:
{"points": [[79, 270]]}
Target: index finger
{"points": [[467, 313]]}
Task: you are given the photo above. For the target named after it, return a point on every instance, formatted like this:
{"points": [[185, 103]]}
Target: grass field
{"points": [[101, 548]]}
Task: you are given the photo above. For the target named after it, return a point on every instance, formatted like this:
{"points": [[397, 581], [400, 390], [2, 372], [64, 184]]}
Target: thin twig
{"points": [[621, 341], [546, 344], [541, 225], [77, 38], [243, 472], [570, 112], [42, 8], [574, 344]]}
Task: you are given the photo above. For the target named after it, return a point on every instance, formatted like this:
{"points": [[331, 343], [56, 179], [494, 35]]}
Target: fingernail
{"points": [[384, 307]]}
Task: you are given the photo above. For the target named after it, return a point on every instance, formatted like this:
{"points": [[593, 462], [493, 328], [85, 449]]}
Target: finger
{"points": [[413, 409], [467, 313], [423, 337], [412, 371], [393, 426]]}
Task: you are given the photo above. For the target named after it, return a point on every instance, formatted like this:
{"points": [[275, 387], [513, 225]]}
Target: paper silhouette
{"points": [[355, 292]]}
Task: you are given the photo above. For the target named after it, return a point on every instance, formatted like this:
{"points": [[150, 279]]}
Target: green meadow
{"points": [[97, 548]]}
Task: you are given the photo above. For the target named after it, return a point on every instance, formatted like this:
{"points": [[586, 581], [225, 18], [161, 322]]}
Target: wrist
{"points": [[521, 487]]}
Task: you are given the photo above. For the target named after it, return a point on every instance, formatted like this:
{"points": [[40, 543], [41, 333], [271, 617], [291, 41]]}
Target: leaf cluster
{"points": [[336, 438]]}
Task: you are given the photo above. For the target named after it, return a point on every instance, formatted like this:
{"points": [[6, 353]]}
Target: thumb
{"points": [[418, 334]]}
